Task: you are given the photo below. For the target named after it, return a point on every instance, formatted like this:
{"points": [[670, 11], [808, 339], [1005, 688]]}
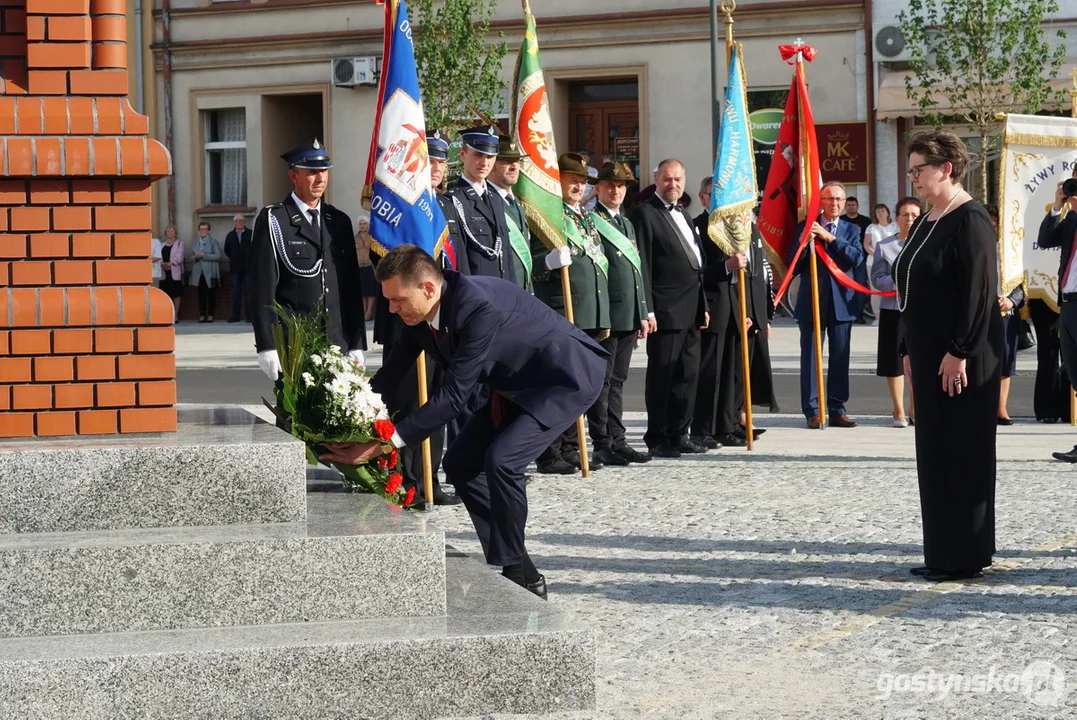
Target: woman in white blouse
{"points": [[883, 227]]}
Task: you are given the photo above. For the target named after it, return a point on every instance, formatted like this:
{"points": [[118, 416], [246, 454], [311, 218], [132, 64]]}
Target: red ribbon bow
{"points": [[789, 52]]}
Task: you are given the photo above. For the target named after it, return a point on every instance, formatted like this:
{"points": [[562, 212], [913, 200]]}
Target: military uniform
{"points": [[590, 299], [628, 312], [296, 263], [515, 219], [480, 220]]}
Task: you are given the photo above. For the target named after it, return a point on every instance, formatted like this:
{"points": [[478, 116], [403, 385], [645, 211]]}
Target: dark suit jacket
{"points": [[238, 250], [848, 252], [718, 286], [486, 224], [1058, 232], [269, 278], [493, 334], [674, 275]]}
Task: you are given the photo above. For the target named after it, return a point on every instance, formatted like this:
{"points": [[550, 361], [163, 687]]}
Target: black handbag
{"points": [[1025, 339]]}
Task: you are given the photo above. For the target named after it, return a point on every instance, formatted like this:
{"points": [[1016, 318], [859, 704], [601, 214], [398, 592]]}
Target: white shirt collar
{"points": [[479, 187], [612, 212], [574, 208], [436, 322], [501, 191], [304, 208]]}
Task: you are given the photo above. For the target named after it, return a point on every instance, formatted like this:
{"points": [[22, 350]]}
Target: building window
{"points": [[225, 133]]}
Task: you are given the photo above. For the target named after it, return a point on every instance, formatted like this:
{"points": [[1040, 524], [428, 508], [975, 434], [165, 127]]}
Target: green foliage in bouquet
{"points": [[325, 397]]}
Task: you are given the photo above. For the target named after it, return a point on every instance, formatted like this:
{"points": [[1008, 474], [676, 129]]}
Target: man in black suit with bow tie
{"points": [[673, 264]]}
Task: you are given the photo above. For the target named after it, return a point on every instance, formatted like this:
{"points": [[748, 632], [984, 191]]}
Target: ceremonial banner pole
{"points": [[428, 461], [539, 186], [806, 189], [727, 7], [398, 172]]}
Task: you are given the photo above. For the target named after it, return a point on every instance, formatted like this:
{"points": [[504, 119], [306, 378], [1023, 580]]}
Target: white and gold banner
{"points": [[1037, 153]]}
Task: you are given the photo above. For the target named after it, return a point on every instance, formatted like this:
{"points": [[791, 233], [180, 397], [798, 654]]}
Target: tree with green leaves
{"points": [[974, 59], [459, 71]]}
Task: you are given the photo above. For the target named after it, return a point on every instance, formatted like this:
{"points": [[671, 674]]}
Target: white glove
{"points": [[558, 258], [269, 363], [356, 356]]}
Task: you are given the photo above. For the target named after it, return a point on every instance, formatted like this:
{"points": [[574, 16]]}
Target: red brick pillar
{"points": [[86, 343]]}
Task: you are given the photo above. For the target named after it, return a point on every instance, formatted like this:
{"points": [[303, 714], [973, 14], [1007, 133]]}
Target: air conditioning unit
{"points": [[349, 72], [890, 45]]}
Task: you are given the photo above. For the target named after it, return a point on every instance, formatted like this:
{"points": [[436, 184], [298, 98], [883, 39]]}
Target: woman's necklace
{"points": [[904, 297]]}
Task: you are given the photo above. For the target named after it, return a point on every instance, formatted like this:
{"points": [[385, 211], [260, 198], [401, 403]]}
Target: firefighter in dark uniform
{"points": [[404, 398], [629, 316], [504, 175], [588, 270], [480, 212], [303, 250]]}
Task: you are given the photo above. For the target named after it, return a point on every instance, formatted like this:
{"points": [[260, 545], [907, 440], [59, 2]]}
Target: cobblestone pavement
{"points": [[776, 585]]}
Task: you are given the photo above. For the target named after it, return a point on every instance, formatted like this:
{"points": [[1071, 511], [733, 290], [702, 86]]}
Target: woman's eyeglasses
{"points": [[914, 172]]}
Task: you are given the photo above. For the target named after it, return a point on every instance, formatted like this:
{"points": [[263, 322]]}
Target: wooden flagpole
{"points": [[428, 463], [566, 291], [727, 7], [805, 195]]}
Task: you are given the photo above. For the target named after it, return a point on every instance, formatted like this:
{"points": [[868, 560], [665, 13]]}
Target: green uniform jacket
{"points": [[590, 293], [628, 300], [514, 212]]}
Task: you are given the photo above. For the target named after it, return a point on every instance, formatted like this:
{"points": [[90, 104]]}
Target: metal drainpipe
{"points": [[139, 72], [716, 91], [166, 57]]}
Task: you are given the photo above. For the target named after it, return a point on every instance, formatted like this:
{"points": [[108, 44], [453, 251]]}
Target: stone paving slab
{"points": [[775, 585]]}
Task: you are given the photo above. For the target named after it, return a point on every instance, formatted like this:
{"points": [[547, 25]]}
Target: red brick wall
{"points": [[86, 345]]}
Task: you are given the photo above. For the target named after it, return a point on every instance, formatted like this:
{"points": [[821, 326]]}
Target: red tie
{"points": [[497, 408], [1069, 264]]}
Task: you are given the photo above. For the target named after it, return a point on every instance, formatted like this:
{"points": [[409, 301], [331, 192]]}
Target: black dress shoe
{"points": [[609, 457], [441, 498], [920, 571], [1005, 421], [632, 455], [951, 576], [706, 441], [687, 447], [538, 587], [557, 467], [665, 450], [731, 440], [574, 461], [743, 432], [233, 320], [1070, 456]]}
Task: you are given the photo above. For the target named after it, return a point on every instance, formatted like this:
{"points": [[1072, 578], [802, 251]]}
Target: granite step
{"points": [[354, 557], [499, 649], [223, 466]]}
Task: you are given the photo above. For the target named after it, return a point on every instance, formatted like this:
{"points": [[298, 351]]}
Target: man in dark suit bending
{"points": [[673, 265], [541, 372]]}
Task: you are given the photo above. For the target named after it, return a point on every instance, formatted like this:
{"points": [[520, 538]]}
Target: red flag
{"points": [[792, 190]]}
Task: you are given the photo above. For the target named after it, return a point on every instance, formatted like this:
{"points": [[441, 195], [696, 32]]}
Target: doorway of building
{"points": [[604, 119], [288, 121]]}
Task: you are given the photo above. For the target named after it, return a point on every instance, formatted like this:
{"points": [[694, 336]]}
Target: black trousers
{"points": [[207, 297], [672, 379], [403, 401], [717, 399], [566, 446], [486, 463], [239, 280], [605, 420], [1047, 398]]}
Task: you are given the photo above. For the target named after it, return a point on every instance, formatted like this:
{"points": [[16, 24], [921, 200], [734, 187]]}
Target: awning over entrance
{"points": [[891, 100]]}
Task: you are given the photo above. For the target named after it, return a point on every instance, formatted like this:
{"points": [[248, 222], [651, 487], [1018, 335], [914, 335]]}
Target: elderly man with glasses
{"points": [[839, 307]]}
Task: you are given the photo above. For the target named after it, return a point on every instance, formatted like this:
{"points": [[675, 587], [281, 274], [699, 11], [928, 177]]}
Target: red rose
{"points": [[384, 429], [409, 497], [394, 456], [394, 483], [383, 462]]}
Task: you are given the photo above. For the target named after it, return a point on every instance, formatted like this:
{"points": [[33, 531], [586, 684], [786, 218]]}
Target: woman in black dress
{"points": [[947, 275]]}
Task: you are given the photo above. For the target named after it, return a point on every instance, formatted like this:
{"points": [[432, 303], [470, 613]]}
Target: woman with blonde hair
{"points": [[172, 256], [367, 283]]}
